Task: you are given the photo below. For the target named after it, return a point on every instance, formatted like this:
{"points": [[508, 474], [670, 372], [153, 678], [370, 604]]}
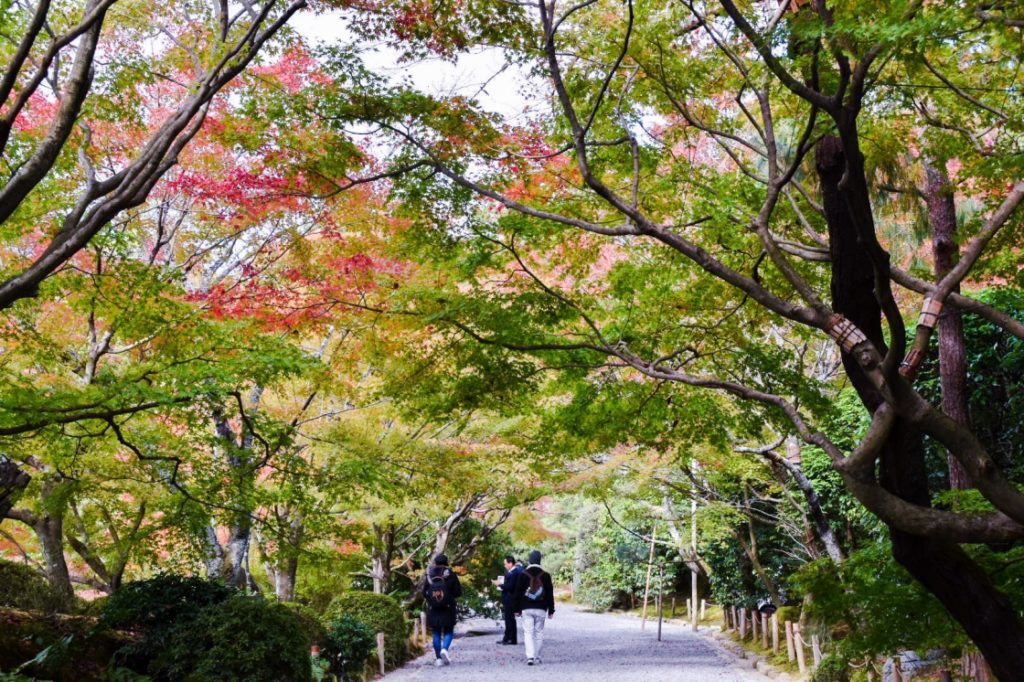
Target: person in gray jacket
{"points": [[535, 601]]}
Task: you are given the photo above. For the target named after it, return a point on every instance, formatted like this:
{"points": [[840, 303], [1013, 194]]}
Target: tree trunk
{"points": [[285, 577], [50, 531], [381, 556], [214, 555], [12, 481], [821, 524], [942, 567], [938, 196]]}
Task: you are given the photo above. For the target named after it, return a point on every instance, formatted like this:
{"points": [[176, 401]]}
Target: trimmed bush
{"points": [[161, 601], [21, 587], [350, 643], [309, 623], [154, 609], [380, 613], [242, 638]]}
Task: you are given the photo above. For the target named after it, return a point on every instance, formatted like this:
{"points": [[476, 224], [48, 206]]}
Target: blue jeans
{"points": [[448, 636]]}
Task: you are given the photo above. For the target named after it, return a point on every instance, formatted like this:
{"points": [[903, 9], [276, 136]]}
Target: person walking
{"points": [[535, 601], [508, 598], [441, 589]]}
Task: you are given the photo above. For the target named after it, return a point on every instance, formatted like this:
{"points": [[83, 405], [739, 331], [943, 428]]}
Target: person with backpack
{"points": [[440, 590], [508, 595], [535, 601]]}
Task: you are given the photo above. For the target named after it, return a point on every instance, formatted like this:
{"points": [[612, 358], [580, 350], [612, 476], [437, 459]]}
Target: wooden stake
{"points": [[380, 651], [703, 607], [798, 641], [673, 614], [764, 630], [689, 613], [743, 623], [416, 632], [816, 650], [775, 634], [753, 627], [423, 628], [647, 586], [790, 649]]}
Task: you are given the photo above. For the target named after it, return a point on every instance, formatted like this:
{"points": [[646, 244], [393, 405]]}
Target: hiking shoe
{"points": [[537, 661], [529, 661], [445, 657], [438, 663]]}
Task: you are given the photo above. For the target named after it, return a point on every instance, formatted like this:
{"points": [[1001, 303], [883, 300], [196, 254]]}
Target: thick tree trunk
{"points": [[938, 194], [12, 481], [49, 530], [943, 568]]}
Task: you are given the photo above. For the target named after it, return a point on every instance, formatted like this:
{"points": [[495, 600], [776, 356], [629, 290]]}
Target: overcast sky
{"points": [[482, 75]]}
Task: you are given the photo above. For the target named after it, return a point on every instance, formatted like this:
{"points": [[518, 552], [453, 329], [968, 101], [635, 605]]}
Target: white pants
{"points": [[533, 631]]}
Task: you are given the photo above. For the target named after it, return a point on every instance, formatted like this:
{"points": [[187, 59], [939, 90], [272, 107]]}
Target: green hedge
{"points": [[309, 623], [242, 638], [22, 587], [380, 613]]}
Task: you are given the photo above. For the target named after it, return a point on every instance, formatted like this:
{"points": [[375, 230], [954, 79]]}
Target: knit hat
{"points": [[441, 560], [535, 557]]}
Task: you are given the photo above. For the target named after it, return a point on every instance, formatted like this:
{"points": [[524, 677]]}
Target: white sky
{"points": [[482, 75]]}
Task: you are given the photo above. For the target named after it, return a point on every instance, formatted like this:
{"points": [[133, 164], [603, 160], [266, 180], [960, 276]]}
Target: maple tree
{"points": [[725, 157]]}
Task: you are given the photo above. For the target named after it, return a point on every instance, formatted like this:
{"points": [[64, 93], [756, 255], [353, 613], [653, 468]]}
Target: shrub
{"points": [[161, 601], [380, 613], [595, 592], [309, 623], [790, 613], [242, 638], [154, 608], [350, 642], [21, 587], [831, 669]]}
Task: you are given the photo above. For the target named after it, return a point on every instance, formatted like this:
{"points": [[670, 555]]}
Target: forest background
{"points": [[276, 316]]}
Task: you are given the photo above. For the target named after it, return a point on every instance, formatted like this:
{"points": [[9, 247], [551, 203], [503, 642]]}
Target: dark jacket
{"points": [[547, 597], [508, 587], [443, 619]]}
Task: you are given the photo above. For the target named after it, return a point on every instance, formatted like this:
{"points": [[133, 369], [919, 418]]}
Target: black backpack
{"points": [[535, 590], [437, 594]]}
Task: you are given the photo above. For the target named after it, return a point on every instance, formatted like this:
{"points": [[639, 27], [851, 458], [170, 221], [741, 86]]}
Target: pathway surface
{"points": [[583, 647]]}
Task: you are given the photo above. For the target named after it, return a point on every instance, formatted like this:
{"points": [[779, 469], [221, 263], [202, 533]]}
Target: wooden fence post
{"points": [[816, 650], [423, 628], [775, 634], [380, 651], [764, 630], [689, 612], [753, 627], [725, 618], [798, 641], [703, 606], [673, 607], [735, 620], [743, 623], [790, 649], [416, 632]]}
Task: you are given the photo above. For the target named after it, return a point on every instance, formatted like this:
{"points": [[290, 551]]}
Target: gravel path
{"points": [[582, 647]]}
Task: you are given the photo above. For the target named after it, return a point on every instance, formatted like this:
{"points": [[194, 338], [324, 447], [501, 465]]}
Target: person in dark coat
{"points": [[441, 589], [535, 601], [508, 595]]}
